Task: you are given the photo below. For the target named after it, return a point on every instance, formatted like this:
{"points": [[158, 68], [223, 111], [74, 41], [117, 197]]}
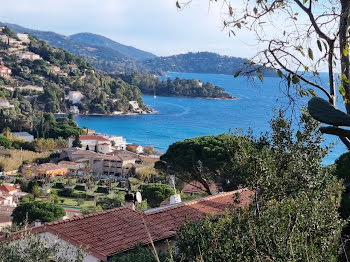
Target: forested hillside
{"points": [[56, 75]]}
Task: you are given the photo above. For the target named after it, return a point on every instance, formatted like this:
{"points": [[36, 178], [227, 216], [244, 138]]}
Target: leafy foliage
{"points": [[156, 193], [36, 248], [45, 212], [150, 84]]}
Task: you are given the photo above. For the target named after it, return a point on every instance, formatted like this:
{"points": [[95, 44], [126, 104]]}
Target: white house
{"points": [[75, 97], [28, 55], [93, 143], [24, 38], [23, 135], [5, 103], [118, 142], [74, 109], [135, 105], [7, 193], [5, 72], [135, 148]]}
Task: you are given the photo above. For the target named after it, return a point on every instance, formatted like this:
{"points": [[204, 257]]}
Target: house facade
{"points": [[44, 170], [5, 72], [93, 143], [75, 97]]}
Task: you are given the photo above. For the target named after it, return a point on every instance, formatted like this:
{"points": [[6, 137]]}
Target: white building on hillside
{"points": [[118, 142], [93, 143], [75, 97], [24, 38]]}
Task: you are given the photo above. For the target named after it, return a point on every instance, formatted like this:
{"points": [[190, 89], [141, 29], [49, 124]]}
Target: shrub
{"points": [[101, 189], [45, 212], [156, 193], [59, 185], [5, 142], [80, 187], [66, 192]]}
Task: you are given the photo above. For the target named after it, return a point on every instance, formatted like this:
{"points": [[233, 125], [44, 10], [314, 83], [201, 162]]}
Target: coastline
{"points": [[149, 112]]}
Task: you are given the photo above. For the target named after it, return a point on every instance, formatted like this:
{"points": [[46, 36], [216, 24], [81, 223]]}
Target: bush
{"points": [[80, 187], [101, 189], [66, 192], [156, 193], [59, 185], [45, 212], [5, 142]]}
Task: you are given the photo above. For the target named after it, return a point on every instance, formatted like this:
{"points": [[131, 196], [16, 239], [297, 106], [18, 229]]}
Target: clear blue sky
{"points": [[152, 25]]}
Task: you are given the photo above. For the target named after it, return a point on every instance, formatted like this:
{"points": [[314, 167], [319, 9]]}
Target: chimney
{"points": [[175, 199], [37, 223], [130, 201]]}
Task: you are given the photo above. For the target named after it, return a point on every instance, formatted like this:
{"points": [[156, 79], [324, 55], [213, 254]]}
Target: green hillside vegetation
{"points": [[102, 94], [101, 41], [111, 56], [202, 62], [150, 84]]}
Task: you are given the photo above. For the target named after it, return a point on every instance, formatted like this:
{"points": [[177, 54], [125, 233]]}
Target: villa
{"points": [[93, 143]]}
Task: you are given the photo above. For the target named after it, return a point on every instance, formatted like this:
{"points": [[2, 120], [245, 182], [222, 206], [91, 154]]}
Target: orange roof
{"points": [[195, 187], [120, 229], [7, 188], [164, 221], [91, 137]]}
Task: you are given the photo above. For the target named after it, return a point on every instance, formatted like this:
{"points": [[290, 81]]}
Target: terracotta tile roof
{"points": [[92, 137], [120, 229], [195, 187], [7, 188], [105, 233], [164, 221], [49, 167]]}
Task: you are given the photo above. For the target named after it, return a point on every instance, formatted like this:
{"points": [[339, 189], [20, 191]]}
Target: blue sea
{"points": [[181, 118]]}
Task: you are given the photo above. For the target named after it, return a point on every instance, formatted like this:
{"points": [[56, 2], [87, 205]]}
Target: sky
{"points": [[151, 25]]}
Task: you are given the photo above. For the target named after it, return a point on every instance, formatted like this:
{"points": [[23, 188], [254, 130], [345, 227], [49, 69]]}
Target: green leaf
{"points": [[304, 2], [303, 92], [312, 92], [230, 10], [178, 5], [346, 50], [237, 73], [298, 135], [295, 79], [342, 90], [261, 78], [319, 45], [310, 53], [279, 73]]}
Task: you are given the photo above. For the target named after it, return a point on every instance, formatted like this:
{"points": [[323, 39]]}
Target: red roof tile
{"points": [[7, 188], [117, 230]]}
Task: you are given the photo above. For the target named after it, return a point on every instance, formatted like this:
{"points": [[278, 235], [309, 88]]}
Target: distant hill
{"points": [[201, 62], [101, 41], [49, 79], [110, 56], [105, 55]]}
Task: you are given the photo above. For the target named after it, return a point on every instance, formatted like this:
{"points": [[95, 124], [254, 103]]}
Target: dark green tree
{"points": [[156, 193], [77, 142], [45, 212]]}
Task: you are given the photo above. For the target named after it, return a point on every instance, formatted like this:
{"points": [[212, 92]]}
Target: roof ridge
{"points": [[204, 199], [85, 216]]}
